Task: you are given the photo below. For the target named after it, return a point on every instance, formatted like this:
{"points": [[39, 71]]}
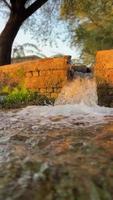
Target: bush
{"points": [[20, 97]]}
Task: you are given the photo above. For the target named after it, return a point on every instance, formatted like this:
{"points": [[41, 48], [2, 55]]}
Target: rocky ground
{"points": [[55, 157]]}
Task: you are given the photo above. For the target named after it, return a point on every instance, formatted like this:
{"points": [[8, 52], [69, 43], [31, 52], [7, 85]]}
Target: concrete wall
{"points": [[103, 71], [47, 76]]}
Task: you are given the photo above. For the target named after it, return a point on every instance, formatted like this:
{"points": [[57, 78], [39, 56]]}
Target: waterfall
{"points": [[80, 90], [76, 106]]}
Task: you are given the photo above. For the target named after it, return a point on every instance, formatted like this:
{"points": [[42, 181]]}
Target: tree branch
{"points": [[33, 7], [7, 4], [17, 6]]}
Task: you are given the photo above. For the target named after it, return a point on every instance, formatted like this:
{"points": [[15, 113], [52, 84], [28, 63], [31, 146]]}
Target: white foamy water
{"points": [[81, 89], [41, 119], [75, 106], [64, 115]]}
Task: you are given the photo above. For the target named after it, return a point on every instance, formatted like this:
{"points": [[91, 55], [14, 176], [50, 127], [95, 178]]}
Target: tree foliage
{"points": [[27, 48], [38, 16], [42, 23], [18, 11], [90, 24]]}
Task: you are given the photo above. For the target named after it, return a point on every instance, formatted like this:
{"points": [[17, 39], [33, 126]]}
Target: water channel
{"points": [[60, 152]]}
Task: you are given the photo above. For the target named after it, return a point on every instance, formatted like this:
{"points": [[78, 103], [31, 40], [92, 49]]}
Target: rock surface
{"points": [[46, 76], [103, 71], [54, 156]]}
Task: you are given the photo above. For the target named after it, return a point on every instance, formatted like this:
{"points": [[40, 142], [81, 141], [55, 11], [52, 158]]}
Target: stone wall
{"points": [[103, 71], [23, 59], [47, 76]]}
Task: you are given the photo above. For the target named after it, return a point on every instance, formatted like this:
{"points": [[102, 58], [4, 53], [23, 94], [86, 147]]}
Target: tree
{"points": [[90, 25], [19, 11], [21, 50]]}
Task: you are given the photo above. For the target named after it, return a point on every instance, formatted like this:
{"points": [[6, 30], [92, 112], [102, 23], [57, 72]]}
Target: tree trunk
{"points": [[7, 37]]}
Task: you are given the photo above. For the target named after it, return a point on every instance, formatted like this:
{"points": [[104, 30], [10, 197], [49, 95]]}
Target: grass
{"points": [[20, 97]]}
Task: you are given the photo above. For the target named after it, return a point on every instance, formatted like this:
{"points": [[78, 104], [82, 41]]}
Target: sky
{"points": [[47, 50]]}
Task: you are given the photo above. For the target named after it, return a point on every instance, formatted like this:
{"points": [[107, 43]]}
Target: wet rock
{"points": [[19, 137], [35, 128], [78, 70], [68, 161]]}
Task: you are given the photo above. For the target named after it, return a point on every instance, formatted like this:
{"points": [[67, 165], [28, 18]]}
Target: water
{"points": [[77, 102], [59, 152], [81, 89]]}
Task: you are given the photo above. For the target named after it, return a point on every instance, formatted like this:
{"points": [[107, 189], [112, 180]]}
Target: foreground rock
{"points": [[54, 160]]}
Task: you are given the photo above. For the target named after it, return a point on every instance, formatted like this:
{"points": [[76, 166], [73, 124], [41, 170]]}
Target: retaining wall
{"points": [[47, 76], [103, 71]]}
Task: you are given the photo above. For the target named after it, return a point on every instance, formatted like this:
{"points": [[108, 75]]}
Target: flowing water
{"points": [[81, 89], [61, 152]]}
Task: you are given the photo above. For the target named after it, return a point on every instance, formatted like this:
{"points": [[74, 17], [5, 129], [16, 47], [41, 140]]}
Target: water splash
{"points": [[80, 90], [75, 106]]}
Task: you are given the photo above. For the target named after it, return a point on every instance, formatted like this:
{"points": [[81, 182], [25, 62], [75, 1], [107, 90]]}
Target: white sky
{"points": [[23, 37]]}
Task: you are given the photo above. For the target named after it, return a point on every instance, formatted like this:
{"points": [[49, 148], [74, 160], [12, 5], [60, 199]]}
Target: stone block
{"points": [[103, 71], [40, 74], [61, 73], [49, 90], [43, 90], [28, 74], [54, 95], [58, 90], [36, 73], [35, 83]]}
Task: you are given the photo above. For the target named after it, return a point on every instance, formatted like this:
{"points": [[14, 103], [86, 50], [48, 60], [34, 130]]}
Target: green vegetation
{"points": [[90, 25], [20, 97]]}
